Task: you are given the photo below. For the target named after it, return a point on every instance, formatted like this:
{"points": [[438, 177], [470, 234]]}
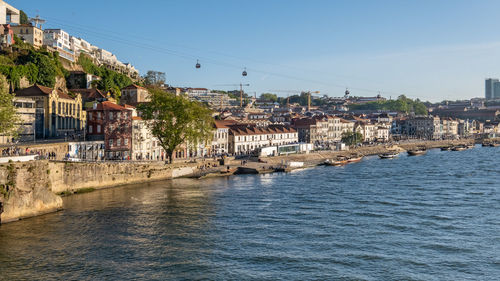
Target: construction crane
{"points": [[241, 90], [298, 92]]}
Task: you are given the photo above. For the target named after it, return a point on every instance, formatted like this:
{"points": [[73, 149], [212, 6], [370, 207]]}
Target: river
{"points": [[431, 217]]}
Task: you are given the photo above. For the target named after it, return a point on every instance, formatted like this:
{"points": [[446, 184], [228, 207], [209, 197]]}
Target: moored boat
{"points": [[354, 158], [417, 151], [494, 144], [388, 155], [459, 148], [446, 148], [340, 161]]}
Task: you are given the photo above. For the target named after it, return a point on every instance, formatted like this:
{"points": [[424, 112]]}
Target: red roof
{"points": [[219, 124], [133, 86], [39, 90], [107, 105]]}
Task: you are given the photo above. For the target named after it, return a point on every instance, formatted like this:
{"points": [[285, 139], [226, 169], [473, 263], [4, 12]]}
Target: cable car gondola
{"points": [[198, 64], [244, 73]]}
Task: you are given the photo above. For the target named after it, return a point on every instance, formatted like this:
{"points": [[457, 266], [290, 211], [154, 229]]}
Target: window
{"points": [[125, 142], [90, 129], [118, 142], [118, 115], [110, 142], [98, 128], [110, 115], [98, 115]]}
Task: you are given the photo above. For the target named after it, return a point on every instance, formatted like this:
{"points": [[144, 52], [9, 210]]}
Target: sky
{"points": [[431, 50]]}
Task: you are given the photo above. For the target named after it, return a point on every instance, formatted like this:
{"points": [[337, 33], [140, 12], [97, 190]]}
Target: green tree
{"points": [[8, 116], [154, 78], [269, 97], [352, 138], [175, 120], [23, 17]]}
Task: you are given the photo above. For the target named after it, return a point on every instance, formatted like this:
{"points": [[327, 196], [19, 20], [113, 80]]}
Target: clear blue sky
{"points": [[428, 49]]}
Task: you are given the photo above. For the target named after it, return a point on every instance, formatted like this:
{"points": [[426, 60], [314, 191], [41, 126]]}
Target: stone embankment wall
{"points": [[29, 189]]}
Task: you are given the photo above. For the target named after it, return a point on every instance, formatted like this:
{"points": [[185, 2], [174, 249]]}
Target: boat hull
{"points": [[416, 152]]}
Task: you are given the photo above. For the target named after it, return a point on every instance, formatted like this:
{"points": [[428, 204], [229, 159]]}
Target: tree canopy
{"points": [[402, 104], [154, 78], [352, 138], [8, 115], [23, 17], [175, 120], [269, 97]]}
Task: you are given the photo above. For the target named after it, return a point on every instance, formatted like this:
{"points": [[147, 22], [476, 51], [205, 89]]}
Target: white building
{"points": [[245, 139], [220, 141], [59, 40], [8, 14]]}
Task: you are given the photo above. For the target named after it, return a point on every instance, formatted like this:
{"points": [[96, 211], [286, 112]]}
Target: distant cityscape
{"points": [[99, 126]]}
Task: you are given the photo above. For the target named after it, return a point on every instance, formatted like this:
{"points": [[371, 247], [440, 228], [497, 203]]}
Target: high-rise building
{"points": [[490, 89]]}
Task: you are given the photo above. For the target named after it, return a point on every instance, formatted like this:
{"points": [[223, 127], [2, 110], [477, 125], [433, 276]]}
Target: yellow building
{"points": [[57, 113]]}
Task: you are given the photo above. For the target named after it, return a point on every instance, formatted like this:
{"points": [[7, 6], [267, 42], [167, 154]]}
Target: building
{"points": [[112, 124], [87, 150], [449, 128], [144, 145], [134, 95], [220, 140], [29, 34], [490, 88], [245, 139], [57, 113], [26, 113], [8, 14], [6, 35], [424, 127], [59, 40]]}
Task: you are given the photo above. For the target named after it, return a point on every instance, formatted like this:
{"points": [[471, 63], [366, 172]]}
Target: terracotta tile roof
{"points": [[39, 90], [252, 130], [107, 105], [89, 94], [133, 86], [219, 124]]}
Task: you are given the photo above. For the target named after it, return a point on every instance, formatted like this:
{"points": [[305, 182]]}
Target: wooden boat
{"points": [[494, 144], [340, 161], [446, 148], [471, 145], [354, 159], [388, 155], [459, 148], [418, 151]]}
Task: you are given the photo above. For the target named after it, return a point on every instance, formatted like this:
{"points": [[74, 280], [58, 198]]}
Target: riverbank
{"points": [[33, 188]]}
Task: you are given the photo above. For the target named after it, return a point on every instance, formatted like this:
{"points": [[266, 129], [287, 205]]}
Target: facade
{"points": [[489, 91], [426, 127], [144, 145], [449, 128], [245, 139], [29, 34], [86, 150], [6, 35], [57, 113], [8, 14], [367, 130], [60, 41], [319, 129], [220, 140], [134, 95], [111, 123], [26, 113]]}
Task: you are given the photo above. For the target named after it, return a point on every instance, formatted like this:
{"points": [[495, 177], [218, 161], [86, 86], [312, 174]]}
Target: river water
{"points": [[432, 217]]}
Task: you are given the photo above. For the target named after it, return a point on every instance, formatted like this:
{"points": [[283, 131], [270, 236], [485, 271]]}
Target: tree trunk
{"points": [[170, 156]]}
